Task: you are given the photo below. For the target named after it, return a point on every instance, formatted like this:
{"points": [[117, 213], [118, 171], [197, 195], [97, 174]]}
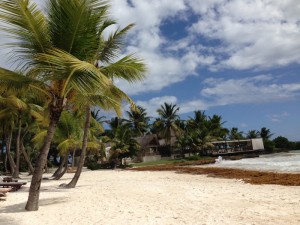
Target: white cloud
{"points": [[252, 34], [278, 117], [258, 89], [153, 104], [256, 33], [220, 92]]}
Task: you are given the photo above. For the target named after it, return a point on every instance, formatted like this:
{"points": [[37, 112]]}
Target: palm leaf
{"points": [[128, 68], [15, 82], [26, 23], [81, 75], [110, 48]]}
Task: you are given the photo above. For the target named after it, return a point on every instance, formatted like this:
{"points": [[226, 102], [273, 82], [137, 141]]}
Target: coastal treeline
{"points": [[66, 57], [121, 134]]}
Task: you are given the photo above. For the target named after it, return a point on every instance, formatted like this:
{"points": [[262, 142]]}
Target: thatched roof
{"points": [[148, 140]]}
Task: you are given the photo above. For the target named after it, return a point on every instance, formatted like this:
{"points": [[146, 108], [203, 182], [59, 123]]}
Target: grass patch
{"points": [[175, 162], [160, 162]]}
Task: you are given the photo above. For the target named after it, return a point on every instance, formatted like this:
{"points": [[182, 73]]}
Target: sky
{"points": [[236, 58]]}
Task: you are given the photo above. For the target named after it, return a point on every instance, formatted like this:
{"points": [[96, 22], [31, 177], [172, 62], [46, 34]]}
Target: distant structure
{"points": [[234, 147]]}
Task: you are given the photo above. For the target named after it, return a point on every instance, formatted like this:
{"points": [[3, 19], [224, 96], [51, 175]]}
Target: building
{"points": [[233, 147]]}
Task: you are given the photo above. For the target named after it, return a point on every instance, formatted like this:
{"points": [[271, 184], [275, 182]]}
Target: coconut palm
{"points": [[235, 134], [16, 109], [253, 134], [168, 116], [265, 133], [123, 143], [60, 49], [139, 120]]}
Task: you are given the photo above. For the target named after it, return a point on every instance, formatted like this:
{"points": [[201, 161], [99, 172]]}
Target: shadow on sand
{"points": [[17, 208]]}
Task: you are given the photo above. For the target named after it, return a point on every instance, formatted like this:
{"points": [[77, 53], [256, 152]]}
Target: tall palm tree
{"points": [[265, 133], [253, 134], [60, 49], [17, 107], [123, 143], [139, 120], [168, 116], [235, 134], [199, 130]]}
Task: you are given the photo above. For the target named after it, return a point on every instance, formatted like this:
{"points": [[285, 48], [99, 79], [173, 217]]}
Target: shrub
{"points": [[193, 157]]}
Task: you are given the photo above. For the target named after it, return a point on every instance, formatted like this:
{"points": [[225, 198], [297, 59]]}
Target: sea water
{"points": [[278, 162]]}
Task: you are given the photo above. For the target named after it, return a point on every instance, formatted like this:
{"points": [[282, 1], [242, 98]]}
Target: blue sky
{"points": [[239, 59]]}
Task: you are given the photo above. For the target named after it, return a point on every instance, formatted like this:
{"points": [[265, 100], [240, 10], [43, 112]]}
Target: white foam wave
{"points": [[279, 162]]}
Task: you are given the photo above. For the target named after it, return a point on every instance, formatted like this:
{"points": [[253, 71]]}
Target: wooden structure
{"points": [[149, 148], [234, 147]]}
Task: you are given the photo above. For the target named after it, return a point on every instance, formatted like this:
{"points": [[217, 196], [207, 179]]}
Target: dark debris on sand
{"points": [[248, 176]]}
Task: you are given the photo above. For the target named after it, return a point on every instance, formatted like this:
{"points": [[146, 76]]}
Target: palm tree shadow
{"points": [[17, 208], [8, 221]]}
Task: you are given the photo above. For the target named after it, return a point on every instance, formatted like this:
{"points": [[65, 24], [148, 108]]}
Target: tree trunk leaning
{"points": [[12, 164], [34, 190], [30, 167], [60, 175], [17, 170], [59, 169], [75, 179]]}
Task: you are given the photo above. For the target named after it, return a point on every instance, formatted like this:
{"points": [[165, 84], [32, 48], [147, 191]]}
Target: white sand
{"points": [[126, 197]]}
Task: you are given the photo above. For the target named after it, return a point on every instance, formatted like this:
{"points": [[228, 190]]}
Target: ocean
{"points": [[278, 162]]}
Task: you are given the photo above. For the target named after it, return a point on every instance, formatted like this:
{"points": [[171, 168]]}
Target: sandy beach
{"points": [[165, 197]]}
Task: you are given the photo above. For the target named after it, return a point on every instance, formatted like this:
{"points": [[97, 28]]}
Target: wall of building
{"points": [[257, 144], [151, 158]]}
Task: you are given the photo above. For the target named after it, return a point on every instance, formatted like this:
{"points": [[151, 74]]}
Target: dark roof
{"points": [[148, 140]]}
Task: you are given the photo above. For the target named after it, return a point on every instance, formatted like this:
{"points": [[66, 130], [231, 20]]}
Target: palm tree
{"points": [[60, 49], [139, 120], [200, 130], [18, 108], [235, 134], [168, 116], [123, 143], [253, 134], [111, 99], [265, 133], [216, 127]]}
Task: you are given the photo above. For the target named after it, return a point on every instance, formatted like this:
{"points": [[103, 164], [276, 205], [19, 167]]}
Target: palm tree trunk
{"points": [[30, 167], [17, 170], [58, 176], [3, 143], [10, 159], [34, 190], [73, 157], [59, 169], [75, 179]]}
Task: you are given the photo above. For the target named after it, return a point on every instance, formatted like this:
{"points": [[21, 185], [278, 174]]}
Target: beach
{"points": [[150, 197]]}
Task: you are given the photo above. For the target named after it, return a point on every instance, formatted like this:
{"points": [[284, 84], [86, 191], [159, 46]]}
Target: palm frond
{"points": [[81, 75], [110, 48], [26, 23], [38, 139], [14, 82], [128, 68], [73, 25]]}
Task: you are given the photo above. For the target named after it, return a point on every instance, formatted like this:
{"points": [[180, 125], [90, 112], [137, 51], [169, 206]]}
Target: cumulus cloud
{"points": [[253, 33], [257, 89], [153, 104], [215, 34], [276, 118], [220, 92], [169, 61]]}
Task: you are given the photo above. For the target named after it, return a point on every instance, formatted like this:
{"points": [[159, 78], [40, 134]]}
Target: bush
{"points": [[269, 146], [193, 158], [98, 166]]}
